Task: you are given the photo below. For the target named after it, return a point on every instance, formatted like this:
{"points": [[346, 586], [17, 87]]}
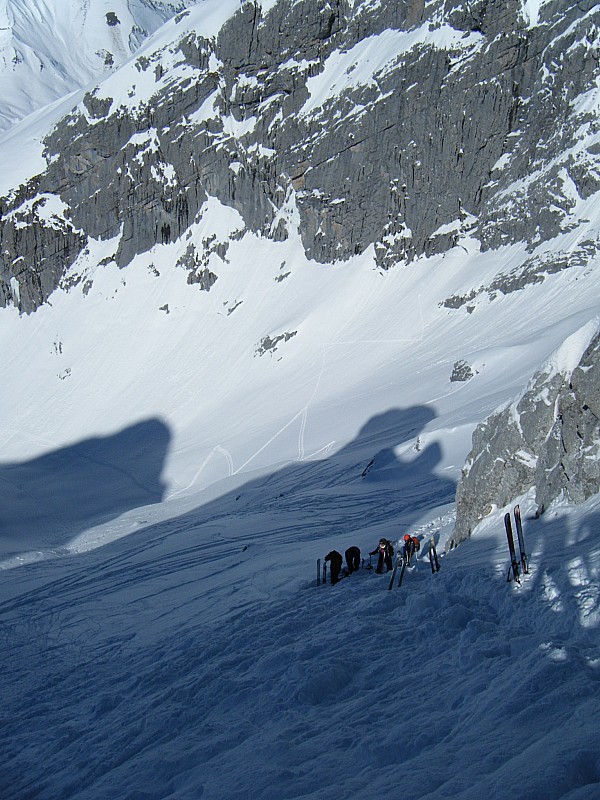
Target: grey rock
{"points": [[461, 371], [405, 162], [205, 279], [269, 344], [569, 465], [532, 271], [548, 439]]}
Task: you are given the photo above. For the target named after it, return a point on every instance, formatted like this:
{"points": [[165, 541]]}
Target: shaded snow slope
{"points": [[197, 658]]}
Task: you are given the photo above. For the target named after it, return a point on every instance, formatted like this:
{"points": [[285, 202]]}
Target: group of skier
{"points": [[334, 558], [384, 552]]}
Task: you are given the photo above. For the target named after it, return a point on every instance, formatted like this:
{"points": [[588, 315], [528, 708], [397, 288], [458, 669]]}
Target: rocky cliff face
{"points": [[391, 123], [548, 439]]}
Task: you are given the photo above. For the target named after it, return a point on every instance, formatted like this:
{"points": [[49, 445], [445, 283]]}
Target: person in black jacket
{"points": [[352, 559], [385, 550], [335, 560]]}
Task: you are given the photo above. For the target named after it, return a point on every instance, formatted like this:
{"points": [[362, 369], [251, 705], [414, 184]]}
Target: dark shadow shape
{"points": [[337, 495], [49, 499], [391, 428], [387, 481], [576, 556]]}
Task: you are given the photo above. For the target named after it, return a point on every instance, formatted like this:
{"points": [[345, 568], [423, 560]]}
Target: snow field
{"points": [[169, 482], [225, 670]]}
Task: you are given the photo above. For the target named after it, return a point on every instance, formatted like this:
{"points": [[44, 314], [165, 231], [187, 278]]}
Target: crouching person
{"points": [[352, 559], [335, 565]]}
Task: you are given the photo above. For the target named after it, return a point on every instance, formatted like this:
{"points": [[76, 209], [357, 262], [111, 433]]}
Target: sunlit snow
{"points": [[174, 462]]}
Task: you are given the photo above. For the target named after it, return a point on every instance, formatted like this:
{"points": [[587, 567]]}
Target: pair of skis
{"points": [[399, 560], [433, 557], [515, 567], [433, 560]]}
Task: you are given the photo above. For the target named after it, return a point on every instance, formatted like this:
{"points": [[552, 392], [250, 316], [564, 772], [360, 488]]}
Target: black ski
{"points": [[395, 570], [519, 528], [402, 571], [318, 571], [514, 566], [324, 573], [433, 556]]}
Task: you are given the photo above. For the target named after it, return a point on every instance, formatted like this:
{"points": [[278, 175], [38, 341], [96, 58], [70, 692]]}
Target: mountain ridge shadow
{"points": [[362, 485], [46, 500]]}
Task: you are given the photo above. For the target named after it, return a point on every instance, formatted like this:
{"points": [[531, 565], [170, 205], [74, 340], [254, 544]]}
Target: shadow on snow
{"points": [[362, 486], [51, 499], [48, 500]]}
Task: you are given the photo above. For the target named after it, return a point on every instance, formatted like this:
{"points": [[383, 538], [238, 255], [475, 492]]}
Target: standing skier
{"points": [[335, 560], [385, 550], [352, 559], [409, 548]]}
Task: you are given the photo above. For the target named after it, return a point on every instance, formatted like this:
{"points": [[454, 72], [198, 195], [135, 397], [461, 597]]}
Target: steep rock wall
{"points": [[393, 124], [548, 439]]}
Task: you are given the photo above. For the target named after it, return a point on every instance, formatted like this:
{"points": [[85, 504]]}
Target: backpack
{"points": [[416, 543]]}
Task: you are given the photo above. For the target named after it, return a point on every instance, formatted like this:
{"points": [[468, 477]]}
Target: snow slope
{"points": [[168, 490], [197, 658], [50, 48], [174, 461]]}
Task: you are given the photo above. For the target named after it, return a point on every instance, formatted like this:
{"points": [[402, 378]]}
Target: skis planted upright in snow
{"points": [[402, 571], [519, 527], [318, 571], [433, 557], [395, 570], [514, 565]]}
